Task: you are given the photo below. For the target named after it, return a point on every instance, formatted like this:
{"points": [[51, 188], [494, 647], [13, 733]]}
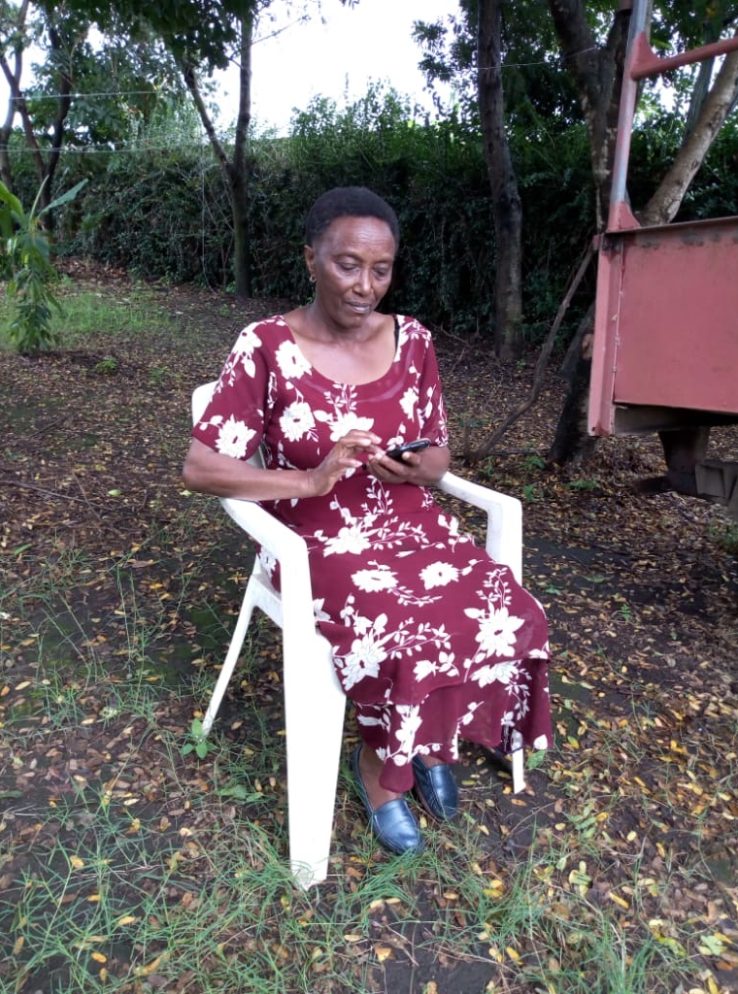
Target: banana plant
{"points": [[29, 270]]}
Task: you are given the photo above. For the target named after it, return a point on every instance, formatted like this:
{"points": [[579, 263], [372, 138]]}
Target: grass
{"points": [[117, 893], [136, 311]]}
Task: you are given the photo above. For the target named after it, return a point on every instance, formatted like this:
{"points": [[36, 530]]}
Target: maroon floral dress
{"points": [[432, 640]]}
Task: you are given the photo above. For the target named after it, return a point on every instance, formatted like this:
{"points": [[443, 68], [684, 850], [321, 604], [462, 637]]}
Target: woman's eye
{"points": [[381, 274]]}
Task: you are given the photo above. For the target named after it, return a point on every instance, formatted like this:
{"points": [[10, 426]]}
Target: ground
{"points": [[131, 861]]}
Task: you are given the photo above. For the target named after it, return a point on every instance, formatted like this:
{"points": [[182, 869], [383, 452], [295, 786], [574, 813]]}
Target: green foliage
{"points": [[197, 742], [725, 536], [201, 29], [29, 268], [107, 366]]}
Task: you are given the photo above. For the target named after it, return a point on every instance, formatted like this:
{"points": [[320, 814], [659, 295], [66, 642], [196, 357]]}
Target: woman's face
{"points": [[352, 265]]}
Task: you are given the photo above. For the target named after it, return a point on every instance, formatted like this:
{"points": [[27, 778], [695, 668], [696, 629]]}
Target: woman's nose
{"points": [[363, 280]]}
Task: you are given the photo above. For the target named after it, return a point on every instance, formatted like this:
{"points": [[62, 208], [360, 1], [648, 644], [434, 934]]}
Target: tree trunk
{"points": [[571, 441], [63, 103], [45, 163], [235, 171], [239, 174], [506, 205], [12, 78], [598, 72], [241, 251]]}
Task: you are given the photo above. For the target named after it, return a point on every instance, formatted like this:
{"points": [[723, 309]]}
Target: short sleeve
{"points": [[233, 421], [434, 424]]}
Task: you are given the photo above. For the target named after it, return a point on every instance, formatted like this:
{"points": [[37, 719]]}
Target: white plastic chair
{"points": [[314, 700]]}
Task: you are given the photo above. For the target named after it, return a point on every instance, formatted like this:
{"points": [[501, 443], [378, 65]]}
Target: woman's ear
{"points": [[310, 261]]}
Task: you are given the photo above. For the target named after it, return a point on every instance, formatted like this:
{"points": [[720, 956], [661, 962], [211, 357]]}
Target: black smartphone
{"points": [[417, 446]]}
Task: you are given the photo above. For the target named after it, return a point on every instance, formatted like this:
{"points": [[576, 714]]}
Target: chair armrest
{"points": [[289, 549], [504, 519]]}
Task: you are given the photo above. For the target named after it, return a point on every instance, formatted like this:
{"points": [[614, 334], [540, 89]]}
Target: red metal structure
{"points": [[665, 351]]}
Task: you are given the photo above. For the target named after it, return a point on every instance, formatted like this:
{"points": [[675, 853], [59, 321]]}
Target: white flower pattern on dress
{"points": [[409, 402], [297, 421], [497, 627], [367, 652], [349, 539], [410, 723], [246, 343], [504, 673], [292, 363], [233, 438], [380, 578], [438, 574], [341, 423]]}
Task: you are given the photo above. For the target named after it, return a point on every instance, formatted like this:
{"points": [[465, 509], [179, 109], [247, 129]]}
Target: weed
{"points": [[158, 376], [198, 742], [725, 536], [534, 461], [584, 484], [107, 366]]}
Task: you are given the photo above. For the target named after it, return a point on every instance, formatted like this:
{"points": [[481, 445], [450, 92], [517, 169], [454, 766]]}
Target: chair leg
{"points": [[314, 737], [234, 651], [518, 766]]}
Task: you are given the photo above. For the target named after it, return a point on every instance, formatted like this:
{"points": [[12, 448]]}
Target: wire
{"points": [[128, 93], [102, 150], [102, 93]]}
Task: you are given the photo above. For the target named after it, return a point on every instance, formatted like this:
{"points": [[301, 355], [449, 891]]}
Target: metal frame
{"points": [[622, 335]]}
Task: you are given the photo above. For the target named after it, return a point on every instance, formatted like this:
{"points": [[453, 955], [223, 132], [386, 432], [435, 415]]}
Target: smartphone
{"points": [[417, 446]]}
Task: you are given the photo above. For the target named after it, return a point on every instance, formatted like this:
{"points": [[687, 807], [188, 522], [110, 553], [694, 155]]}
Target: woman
{"points": [[432, 640]]}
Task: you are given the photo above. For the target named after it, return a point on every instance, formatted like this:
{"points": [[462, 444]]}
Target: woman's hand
{"points": [[421, 468], [342, 457]]}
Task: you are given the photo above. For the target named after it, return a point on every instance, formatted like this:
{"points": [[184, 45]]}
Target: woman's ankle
{"points": [[370, 768]]}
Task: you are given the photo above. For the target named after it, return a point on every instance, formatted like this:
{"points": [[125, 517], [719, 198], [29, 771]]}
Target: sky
{"points": [[337, 58], [335, 54]]}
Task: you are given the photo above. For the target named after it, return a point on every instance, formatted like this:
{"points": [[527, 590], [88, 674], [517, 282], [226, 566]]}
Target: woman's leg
{"points": [[370, 767]]}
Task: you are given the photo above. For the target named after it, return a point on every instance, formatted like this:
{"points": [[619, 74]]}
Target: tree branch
{"points": [[542, 362], [578, 45], [667, 199], [190, 78], [597, 72]]}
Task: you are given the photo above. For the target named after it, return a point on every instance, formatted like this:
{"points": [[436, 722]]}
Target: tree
{"points": [[483, 21], [49, 117], [234, 166], [506, 205], [63, 33], [202, 35]]}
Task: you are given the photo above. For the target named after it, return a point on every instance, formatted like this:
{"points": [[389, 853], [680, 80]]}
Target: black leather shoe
{"points": [[393, 822], [436, 788]]}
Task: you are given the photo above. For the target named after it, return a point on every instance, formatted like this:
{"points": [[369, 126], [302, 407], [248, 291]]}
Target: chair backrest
{"points": [[200, 399]]}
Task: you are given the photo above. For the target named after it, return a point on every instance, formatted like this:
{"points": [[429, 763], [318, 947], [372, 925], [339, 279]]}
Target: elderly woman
{"points": [[431, 639]]}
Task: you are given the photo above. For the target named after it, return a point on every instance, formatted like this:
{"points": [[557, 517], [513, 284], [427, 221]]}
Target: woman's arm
{"points": [[210, 472]]}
